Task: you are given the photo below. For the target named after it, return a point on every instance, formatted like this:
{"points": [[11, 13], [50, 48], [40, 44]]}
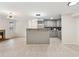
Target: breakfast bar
{"points": [[37, 36]]}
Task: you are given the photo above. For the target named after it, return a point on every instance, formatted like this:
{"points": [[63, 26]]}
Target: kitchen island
{"points": [[37, 36]]}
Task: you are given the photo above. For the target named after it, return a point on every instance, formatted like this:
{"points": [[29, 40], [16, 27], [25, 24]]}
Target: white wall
{"points": [[3, 24], [68, 30], [77, 29], [21, 26]]}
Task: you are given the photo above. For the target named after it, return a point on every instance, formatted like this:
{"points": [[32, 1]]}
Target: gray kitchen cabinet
{"points": [[58, 23], [53, 33], [37, 36], [50, 23], [59, 34]]}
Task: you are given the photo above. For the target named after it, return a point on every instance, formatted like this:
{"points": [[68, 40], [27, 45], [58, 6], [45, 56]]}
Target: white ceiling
{"points": [[47, 9]]}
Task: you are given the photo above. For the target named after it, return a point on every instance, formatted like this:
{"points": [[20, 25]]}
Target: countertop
{"points": [[36, 29]]}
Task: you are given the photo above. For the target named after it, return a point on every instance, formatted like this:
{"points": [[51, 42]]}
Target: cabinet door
{"points": [[54, 23], [53, 34], [58, 23], [50, 23], [59, 34]]}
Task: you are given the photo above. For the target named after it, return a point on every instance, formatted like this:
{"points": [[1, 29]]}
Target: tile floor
{"points": [[18, 48]]}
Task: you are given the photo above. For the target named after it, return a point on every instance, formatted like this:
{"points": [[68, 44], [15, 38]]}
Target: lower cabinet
{"points": [[53, 33], [59, 34]]}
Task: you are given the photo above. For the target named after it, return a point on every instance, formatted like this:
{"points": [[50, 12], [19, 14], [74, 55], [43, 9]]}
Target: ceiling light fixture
{"points": [[10, 16], [72, 3]]}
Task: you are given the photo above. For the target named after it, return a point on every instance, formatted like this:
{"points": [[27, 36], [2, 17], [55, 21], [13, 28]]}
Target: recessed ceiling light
{"points": [[72, 3]]}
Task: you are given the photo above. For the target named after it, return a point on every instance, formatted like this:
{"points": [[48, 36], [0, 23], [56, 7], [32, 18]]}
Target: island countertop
{"points": [[37, 36], [37, 29]]}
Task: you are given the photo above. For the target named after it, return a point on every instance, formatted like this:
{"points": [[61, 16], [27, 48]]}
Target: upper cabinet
{"points": [[32, 23], [49, 23], [41, 23], [52, 23], [58, 23]]}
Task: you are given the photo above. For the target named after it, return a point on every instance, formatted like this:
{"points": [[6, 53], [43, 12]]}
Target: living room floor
{"points": [[19, 48]]}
